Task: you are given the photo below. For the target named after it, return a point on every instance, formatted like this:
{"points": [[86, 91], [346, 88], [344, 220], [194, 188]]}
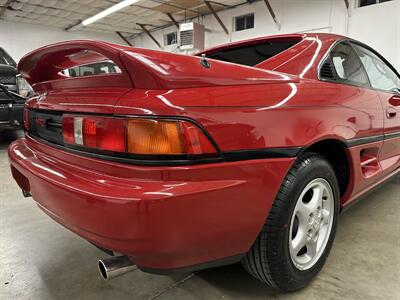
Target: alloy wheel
{"points": [[311, 224]]}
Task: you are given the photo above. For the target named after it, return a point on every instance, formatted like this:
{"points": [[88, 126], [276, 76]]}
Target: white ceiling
{"points": [[66, 13]]}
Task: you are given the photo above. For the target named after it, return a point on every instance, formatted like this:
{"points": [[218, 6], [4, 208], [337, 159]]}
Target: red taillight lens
{"points": [[26, 119], [110, 134], [196, 141], [95, 132], [68, 130], [136, 136]]}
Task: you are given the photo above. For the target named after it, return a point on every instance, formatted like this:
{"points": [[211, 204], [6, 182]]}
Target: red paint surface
{"points": [[172, 217]]}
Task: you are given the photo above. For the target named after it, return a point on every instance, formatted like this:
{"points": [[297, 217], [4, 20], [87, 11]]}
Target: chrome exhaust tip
{"points": [[115, 266]]}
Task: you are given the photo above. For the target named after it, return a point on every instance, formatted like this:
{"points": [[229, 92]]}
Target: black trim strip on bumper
{"points": [[179, 160], [393, 135], [263, 153], [371, 139], [364, 140]]}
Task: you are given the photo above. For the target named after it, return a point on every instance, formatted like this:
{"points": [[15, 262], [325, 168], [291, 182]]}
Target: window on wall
{"points": [[243, 22], [170, 38], [362, 3]]}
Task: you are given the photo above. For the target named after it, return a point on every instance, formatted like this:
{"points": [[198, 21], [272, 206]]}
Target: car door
{"points": [[386, 81]]}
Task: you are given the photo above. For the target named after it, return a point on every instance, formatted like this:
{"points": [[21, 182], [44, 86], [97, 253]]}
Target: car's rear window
{"points": [[98, 68], [251, 55]]}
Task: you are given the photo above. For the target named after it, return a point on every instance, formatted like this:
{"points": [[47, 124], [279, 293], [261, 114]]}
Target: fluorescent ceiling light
{"points": [[108, 11]]}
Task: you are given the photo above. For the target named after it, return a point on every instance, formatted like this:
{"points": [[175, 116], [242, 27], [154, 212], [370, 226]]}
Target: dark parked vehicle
{"points": [[13, 91]]}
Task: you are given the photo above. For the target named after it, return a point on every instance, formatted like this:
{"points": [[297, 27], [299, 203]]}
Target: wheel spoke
{"points": [[298, 242], [303, 211], [325, 216], [316, 200], [312, 248]]}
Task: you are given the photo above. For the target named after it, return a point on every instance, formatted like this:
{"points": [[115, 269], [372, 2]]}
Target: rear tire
{"points": [[298, 234]]}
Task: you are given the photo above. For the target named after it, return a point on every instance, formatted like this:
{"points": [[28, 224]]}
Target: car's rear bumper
{"points": [[162, 217]]}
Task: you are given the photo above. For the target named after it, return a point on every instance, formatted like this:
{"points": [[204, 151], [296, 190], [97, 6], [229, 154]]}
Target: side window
{"points": [[348, 66], [380, 74]]}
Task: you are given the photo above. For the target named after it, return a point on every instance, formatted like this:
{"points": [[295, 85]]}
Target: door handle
{"points": [[391, 113]]}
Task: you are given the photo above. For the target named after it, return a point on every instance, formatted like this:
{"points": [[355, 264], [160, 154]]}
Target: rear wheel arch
{"points": [[335, 151]]}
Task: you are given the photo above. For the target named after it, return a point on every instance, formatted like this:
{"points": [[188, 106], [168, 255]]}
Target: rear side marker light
{"points": [[136, 135]]}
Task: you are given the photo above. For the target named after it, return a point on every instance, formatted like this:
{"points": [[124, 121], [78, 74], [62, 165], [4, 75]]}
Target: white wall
{"points": [[379, 27], [376, 25], [20, 38]]}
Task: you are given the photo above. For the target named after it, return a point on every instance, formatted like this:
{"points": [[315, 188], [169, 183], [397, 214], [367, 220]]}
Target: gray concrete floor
{"points": [[39, 259]]}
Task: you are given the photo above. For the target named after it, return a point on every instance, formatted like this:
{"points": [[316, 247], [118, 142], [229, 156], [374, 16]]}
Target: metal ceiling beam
{"points": [[272, 13], [209, 6], [172, 5], [124, 38], [4, 8], [143, 26], [171, 17], [220, 4]]}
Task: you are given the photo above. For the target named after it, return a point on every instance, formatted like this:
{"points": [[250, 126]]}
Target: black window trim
{"points": [[327, 56]]}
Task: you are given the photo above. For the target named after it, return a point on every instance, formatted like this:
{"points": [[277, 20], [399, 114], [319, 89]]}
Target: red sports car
{"points": [[244, 152]]}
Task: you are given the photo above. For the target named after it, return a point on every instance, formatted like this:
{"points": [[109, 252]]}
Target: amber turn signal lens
{"points": [[155, 137]]}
